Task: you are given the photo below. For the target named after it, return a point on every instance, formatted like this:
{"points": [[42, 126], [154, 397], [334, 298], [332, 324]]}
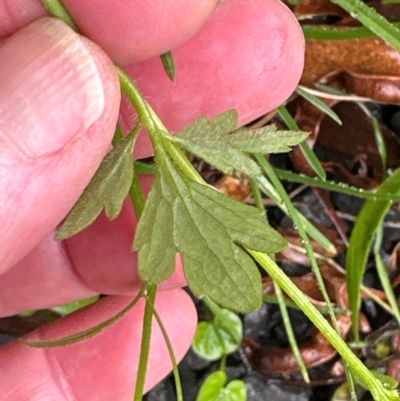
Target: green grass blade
{"points": [[290, 333], [311, 230], [335, 187], [304, 146], [282, 301], [366, 225], [372, 20], [331, 33], [297, 223], [317, 102], [387, 286], [379, 139]]}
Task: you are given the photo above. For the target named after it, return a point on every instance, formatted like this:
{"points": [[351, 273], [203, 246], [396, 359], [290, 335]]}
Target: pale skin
{"points": [[59, 103]]}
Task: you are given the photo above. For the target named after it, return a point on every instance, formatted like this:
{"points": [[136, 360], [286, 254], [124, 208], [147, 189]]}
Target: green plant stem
{"points": [[266, 166], [362, 373], [57, 9], [334, 186], [175, 369], [281, 300], [364, 376], [85, 334], [308, 153], [145, 344], [290, 333]]}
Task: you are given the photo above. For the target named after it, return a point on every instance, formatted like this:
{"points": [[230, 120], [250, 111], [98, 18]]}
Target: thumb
{"points": [[59, 104]]}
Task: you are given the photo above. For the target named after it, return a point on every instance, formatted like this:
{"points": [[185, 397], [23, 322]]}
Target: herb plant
{"points": [[219, 239]]}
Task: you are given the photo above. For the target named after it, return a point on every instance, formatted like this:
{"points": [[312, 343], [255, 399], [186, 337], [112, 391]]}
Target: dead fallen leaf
{"points": [[317, 350]]}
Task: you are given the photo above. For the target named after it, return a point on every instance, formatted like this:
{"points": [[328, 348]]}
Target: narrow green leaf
{"points": [[379, 138], [85, 334], [326, 32], [217, 142], [73, 306], [387, 286], [168, 63], [304, 146], [372, 20], [205, 227], [388, 382], [317, 102], [212, 386], [368, 220], [270, 190], [335, 186], [107, 190]]}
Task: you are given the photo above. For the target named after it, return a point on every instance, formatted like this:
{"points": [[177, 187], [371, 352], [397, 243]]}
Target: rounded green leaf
{"points": [[229, 329], [236, 390], [221, 336], [212, 386], [206, 343]]}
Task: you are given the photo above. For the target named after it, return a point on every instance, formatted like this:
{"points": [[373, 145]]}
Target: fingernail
{"points": [[50, 90]]}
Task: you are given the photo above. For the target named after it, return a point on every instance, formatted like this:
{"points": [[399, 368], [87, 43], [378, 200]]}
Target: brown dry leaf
{"points": [[312, 8], [366, 67], [238, 189], [317, 350], [360, 164]]}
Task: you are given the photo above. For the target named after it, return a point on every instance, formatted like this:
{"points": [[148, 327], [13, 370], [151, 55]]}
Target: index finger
{"points": [[127, 30]]}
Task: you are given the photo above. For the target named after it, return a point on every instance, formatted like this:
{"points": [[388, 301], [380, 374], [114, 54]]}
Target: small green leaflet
{"points": [[107, 190], [213, 389], [206, 228], [168, 63], [217, 142], [221, 336]]}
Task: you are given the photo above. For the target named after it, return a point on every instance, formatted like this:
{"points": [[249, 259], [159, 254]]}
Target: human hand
{"points": [[59, 103]]}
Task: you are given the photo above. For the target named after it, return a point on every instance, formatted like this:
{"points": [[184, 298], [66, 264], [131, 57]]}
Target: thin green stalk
{"points": [[312, 231], [290, 333], [222, 365], [361, 372], [308, 153], [175, 370], [266, 166], [281, 300], [145, 344], [379, 138], [57, 9], [335, 187], [85, 334], [383, 274], [154, 125], [327, 32]]}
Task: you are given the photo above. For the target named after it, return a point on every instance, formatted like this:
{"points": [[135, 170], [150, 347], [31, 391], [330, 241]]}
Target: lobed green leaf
{"points": [[217, 142], [206, 228], [107, 190]]}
